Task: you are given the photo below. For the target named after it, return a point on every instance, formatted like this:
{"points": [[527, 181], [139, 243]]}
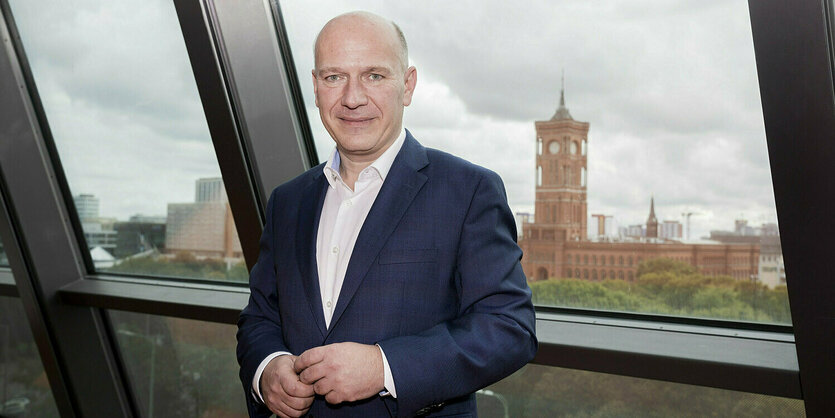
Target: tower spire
{"points": [[652, 208], [652, 221], [562, 88], [562, 111]]}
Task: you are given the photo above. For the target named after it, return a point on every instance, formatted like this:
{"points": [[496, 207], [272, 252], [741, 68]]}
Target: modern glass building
{"points": [[171, 122]]}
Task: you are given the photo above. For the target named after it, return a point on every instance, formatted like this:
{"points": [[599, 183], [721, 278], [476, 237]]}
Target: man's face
{"points": [[361, 86]]}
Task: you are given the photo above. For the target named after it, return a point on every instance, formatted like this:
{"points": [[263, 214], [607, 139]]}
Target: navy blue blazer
{"points": [[434, 279]]}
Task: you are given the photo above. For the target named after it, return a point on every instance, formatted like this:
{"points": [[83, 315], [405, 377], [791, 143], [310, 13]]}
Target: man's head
{"points": [[362, 83]]}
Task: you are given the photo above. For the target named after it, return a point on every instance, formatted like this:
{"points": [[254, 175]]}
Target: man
{"points": [[392, 270]]}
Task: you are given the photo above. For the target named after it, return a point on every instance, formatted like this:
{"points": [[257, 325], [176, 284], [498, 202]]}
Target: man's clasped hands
{"points": [[341, 372]]}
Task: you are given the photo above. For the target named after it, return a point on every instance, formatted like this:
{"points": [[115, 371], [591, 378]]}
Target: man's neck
{"points": [[350, 167]]}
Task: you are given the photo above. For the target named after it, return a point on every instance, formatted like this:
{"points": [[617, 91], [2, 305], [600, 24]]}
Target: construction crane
{"points": [[686, 216]]}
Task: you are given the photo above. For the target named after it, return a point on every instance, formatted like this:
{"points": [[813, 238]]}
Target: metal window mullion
{"points": [[793, 52], [43, 249], [255, 55], [225, 127]]}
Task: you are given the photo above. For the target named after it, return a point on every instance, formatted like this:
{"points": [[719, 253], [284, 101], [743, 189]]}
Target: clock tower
{"points": [[561, 171]]}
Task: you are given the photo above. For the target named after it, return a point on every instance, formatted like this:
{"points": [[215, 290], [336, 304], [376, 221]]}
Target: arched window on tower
{"points": [[539, 175], [539, 146], [583, 177], [584, 146]]}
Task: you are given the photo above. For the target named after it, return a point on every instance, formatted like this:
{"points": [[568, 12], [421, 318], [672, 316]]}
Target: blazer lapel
{"points": [[310, 209], [399, 189]]}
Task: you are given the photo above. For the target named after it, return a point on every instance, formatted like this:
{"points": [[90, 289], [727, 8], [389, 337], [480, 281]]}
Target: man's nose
{"points": [[354, 95]]}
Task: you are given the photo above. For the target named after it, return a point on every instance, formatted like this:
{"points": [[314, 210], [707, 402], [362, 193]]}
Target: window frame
{"points": [[65, 299]]}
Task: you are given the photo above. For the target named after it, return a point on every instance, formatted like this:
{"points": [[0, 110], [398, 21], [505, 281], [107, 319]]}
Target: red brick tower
{"points": [[560, 207], [561, 165]]}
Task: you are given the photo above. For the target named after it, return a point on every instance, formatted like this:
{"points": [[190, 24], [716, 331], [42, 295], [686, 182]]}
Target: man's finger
{"points": [[323, 386], [299, 389], [295, 406], [312, 374], [287, 406], [333, 398], [308, 358]]}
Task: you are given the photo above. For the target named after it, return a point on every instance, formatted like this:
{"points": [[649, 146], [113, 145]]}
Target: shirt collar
{"points": [[382, 165]]}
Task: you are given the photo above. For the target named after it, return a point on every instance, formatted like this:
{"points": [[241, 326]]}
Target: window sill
{"points": [[754, 361]]}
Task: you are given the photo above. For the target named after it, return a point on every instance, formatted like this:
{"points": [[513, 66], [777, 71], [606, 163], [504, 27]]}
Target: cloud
{"points": [[669, 88]]}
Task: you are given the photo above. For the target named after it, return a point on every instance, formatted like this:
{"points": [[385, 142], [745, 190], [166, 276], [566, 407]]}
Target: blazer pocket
{"points": [[429, 255]]}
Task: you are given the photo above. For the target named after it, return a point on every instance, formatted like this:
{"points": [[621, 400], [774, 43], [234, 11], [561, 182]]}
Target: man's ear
{"points": [[315, 88], [411, 81]]}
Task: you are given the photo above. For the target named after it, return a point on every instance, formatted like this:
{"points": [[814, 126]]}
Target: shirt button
{"points": [[348, 203], [329, 304], [335, 250]]}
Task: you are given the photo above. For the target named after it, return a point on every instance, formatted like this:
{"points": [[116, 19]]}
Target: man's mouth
{"points": [[356, 120]]}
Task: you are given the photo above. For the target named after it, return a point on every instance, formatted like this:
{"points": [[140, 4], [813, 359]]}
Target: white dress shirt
{"points": [[343, 215]]}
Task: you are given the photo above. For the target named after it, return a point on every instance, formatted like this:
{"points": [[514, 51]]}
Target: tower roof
{"points": [[562, 111], [652, 219]]}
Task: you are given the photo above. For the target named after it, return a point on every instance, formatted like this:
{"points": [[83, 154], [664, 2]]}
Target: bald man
{"points": [[388, 281]]}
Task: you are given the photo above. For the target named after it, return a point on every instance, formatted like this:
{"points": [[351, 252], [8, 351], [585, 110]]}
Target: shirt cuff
{"points": [[256, 380], [388, 381]]}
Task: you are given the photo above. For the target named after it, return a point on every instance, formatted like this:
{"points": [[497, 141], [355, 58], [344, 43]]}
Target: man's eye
{"points": [[375, 77], [332, 78]]}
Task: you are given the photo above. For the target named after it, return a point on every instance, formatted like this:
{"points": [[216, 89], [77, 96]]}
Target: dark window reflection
{"points": [[541, 391], [180, 367], [24, 388]]}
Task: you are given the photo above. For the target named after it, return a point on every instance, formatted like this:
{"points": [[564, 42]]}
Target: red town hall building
{"points": [[556, 245]]}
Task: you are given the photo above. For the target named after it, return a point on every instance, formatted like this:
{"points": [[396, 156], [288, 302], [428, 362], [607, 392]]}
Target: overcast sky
{"points": [[669, 89]]}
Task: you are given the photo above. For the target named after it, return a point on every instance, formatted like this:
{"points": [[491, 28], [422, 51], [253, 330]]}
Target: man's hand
{"points": [[342, 372], [281, 389]]}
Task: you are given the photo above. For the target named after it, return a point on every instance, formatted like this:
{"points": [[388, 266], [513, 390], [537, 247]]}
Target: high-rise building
{"points": [[87, 206], [210, 190], [671, 230]]}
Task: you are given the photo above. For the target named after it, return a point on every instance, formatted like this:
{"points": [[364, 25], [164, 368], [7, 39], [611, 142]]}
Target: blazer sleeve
{"points": [[493, 334], [259, 324]]}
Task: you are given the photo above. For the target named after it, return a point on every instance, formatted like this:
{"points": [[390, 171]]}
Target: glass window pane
{"points": [[630, 139], [180, 367], [123, 107], [24, 387], [541, 391]]}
